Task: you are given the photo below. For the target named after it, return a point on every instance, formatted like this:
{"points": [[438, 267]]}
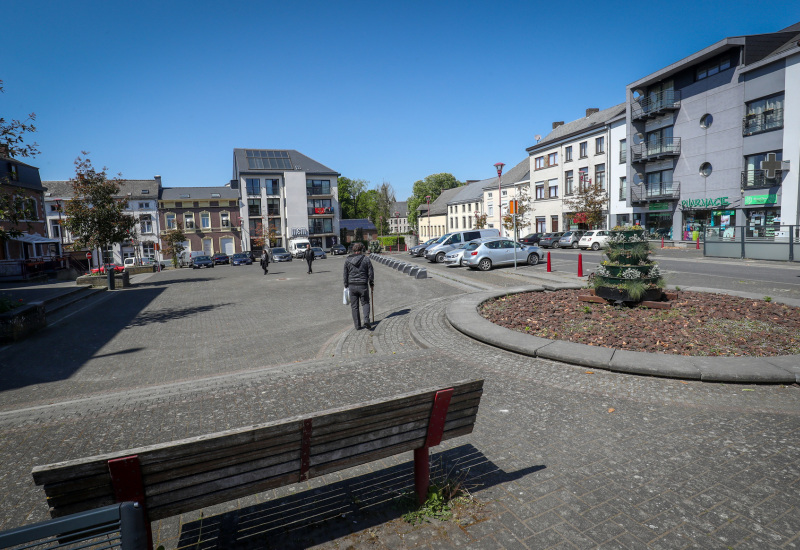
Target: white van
{"points": [[297, 246], [438, 250]]}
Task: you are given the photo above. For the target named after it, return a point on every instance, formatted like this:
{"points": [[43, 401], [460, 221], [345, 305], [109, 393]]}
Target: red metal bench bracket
{"points": [[305, 449], [422, 469], [126, 480]]}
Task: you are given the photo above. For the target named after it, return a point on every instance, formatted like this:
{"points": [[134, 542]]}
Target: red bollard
{"points": [[549, 268], [580, 265], [698, 242], [662, 242]]}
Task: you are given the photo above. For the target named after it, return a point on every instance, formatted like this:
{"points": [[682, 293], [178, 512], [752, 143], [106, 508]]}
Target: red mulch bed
{"points": [[698, 323]]}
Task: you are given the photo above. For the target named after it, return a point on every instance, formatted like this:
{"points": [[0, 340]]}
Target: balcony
{"points": [[762, 122], [655, 149], [318, 190], [325, 211], [653, 105], [757, 179], [319, 230], [664, 191]]}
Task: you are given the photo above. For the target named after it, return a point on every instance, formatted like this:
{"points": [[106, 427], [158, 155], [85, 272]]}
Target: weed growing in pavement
{"points": [[587, 309], [767, 298], [447, 493]]}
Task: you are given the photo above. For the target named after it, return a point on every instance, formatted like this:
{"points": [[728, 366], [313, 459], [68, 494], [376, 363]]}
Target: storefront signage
{"points": [[761, 199], [299, 232], [705, 203], [659, 206]]}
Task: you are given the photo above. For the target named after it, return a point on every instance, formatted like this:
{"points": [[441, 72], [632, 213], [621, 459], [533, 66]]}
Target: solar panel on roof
{"points": [[268, 160]]}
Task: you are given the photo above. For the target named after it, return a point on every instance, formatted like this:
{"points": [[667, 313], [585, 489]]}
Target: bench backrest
{"points": [[193, 473]]}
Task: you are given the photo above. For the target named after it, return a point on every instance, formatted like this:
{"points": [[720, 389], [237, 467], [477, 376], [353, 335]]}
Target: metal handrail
{"points": [[651, 105], [757, 179], [666, 190], [654, 148], [762, 122]]}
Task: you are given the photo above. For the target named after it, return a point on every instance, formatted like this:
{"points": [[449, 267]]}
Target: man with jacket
{"points": [[309, 256], [265, 261], [358, 274]]}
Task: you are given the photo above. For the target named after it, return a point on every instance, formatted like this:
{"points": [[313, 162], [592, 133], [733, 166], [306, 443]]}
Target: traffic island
{"points": [[19, 322], [121, 280]]}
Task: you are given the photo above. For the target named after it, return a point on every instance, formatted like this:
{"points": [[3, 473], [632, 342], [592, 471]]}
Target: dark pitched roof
{"points": [[135, 189], [352, 225], [198, 193], [439, 206], [591, 122], [298, 160], [400, 207]]}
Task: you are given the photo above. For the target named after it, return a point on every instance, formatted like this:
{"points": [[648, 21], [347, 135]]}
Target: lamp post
{"points": [[499, 166], [428, 199]]}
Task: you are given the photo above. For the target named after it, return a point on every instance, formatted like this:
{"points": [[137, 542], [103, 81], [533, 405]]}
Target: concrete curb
{"points": [[463, 315], [409, 269]]}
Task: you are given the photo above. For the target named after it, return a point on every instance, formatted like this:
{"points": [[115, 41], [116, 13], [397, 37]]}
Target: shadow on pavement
{"points": [[335, 510], [398, 313], [171, 282], [164, 316]]}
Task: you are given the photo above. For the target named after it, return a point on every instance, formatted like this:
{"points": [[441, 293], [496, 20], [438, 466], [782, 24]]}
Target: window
{"points": [[583, 179], [170, 219], [540, 190], [706, 120], [763, 115], [322, 225], [756, 176], [490, 210], [189, 221], [149, 250], [623, 151], [552, 159], [214, 195], [13, 172], [568, 186], [623, 188], [253, 186], [318, 187], [489, 195], [54, 208], [541, 225], [275, 225], [274, 207], [599, 145], [568, 154], [713, 67], [658, 184], [584, 149], [264, 160], [254, 207], [144, 205], [273, 187], [145, 224], [145, 191], [205, 220], [504, 193], [600, 176], [55, 229], [538, 163], [552, 186], [224, 219], [184, 195], [314, 206], [705, 169]]}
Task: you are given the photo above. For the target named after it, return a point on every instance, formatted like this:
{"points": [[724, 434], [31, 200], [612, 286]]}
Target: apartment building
{"points": [[285, 194], [465, 206], [714, 139], [512, 185], [432, 221]]}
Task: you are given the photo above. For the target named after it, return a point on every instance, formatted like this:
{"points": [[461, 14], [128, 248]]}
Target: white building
{"points": [[512, 185]]}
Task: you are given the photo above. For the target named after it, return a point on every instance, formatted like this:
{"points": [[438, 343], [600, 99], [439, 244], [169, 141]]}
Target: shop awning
{"points": [[34, 239]]}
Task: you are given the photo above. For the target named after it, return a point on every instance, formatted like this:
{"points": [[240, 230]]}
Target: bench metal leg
{"points": [[422, 474], [422, 468]]}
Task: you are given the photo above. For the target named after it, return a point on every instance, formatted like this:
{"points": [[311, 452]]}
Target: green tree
{"points": [[14, 206], [588, 204], [173, 243], [432, 186], [383, 202], [349, 193], [523, 198], [95, 217]]}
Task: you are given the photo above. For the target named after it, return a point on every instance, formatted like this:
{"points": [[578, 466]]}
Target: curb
{"points": [[463, 315]]}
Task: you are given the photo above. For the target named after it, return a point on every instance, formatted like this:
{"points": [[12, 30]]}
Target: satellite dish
{"points": [[537, 137]]}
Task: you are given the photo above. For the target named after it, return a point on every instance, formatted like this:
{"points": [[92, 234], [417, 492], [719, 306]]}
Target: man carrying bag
{"points": [[358, 275]]}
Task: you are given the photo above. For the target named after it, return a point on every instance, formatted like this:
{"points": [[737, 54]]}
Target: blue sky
{"points": [[376, 91]]}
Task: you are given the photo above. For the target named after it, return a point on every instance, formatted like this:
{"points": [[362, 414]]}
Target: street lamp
{"points": [[499, 166], [428, 198]]}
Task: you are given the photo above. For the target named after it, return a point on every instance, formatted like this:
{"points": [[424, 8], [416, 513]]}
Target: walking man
{"points": [[358, 275], [309, 256], [265, 261]]}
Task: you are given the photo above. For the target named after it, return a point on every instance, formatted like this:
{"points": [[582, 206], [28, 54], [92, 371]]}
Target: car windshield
{"points": [[279, 251], [240, 255], [203, 258], [316, 249], [567, 234], [588, 234]]}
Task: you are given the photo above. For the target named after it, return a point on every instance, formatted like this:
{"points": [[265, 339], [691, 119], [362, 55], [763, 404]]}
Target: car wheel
{"points": [[533, 259], [575, 245], [555, 245], [485, 264], [440, 257], [595, 246]]}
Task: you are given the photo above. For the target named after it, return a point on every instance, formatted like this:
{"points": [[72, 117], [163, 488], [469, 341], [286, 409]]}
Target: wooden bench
{"points": [[180, 476]]}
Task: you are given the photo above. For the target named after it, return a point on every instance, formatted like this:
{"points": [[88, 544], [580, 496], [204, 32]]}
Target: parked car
{"points": [[338, 249], [115, 267], [319, 254], [202, 261], [250, 255], [570, 239], [487, 253], [444, 244], [419, 249], [550, 240], [131, 262], [241, 259], [279, 254], [186, 257], [454, 257], [221, 258], [531, 238], [595, 239]]}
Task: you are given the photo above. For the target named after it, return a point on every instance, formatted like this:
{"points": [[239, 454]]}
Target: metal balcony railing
{"points": [[757, 179], [318, 191], [324, 211], [318, 230], [654, 149], [762, 122], [652, 105], [664, 191]]}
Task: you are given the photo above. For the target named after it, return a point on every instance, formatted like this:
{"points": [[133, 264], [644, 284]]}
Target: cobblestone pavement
{"points": [[561, 456]]}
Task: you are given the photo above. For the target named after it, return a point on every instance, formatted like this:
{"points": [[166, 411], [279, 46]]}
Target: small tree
{"points": [[524, 211], [480, 221], [588, 204], [95, 217], [173, 243]]}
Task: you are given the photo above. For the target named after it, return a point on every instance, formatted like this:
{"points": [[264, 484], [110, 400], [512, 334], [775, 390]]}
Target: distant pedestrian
{"points": [[309, 256], [358, 275], [265, 262]]}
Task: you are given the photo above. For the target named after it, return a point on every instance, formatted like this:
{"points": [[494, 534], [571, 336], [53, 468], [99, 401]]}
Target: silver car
{"points": [[570, 239], [487, 253], [453, 258]]}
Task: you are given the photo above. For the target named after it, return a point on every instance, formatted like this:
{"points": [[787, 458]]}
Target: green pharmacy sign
{"points": [[659, 206], [705, 203], [760, 199]]}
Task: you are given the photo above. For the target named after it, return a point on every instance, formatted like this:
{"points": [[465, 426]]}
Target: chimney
{"points": [[591, 110], [158, 180], [4, 150], [557, 124]]}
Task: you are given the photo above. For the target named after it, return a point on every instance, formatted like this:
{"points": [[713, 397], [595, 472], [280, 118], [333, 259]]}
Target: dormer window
{"points": [[145, 191], [184, 195]]}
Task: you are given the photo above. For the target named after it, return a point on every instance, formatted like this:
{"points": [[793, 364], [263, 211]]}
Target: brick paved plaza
{"points": [[676, 464]]}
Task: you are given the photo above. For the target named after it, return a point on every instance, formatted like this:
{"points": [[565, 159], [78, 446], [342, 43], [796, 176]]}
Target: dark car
{"points": [[241, 259], [202, 261], [221, 259], [338, 249], [318, 253], [279, 254], [532, 238], [250, 255], [550, 240], [419, 250]]}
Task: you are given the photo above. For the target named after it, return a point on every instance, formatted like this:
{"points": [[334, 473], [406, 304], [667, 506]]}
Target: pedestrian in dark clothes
{"points": [[309, 256], [358, 275], [265, 262]]}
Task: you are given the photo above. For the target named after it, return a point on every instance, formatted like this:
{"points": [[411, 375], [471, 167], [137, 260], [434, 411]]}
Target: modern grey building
{"points": [[285, 194], [714, 139]]}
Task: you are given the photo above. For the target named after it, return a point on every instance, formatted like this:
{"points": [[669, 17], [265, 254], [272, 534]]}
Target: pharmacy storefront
{"points": [[715, 214], [657, 219], [762, 215]]}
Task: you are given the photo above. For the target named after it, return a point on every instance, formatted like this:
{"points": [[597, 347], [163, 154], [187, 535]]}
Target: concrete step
{"points": [[67, 299]]}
